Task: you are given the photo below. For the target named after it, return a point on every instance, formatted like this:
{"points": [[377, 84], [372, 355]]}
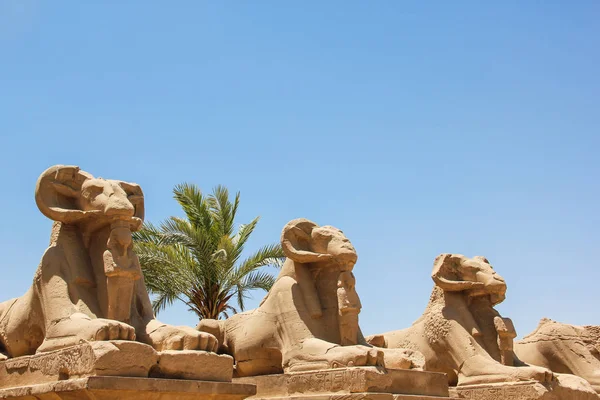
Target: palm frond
{"points": [[242, 237], [196, 259], [222, 210], [148, 234], [241, 295], [270, 255], [258, 280], [194, 205], [161, 302]]}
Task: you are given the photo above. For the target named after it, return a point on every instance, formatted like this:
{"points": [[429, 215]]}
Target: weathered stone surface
{"points": [[345, 381], [114, 358], [563, 348], [565, 387], [460, 332], [353, 396], [593, 332], [120, 388], [309, 319], [88, 359], [89, 285], [89, 288], [188, 364]]}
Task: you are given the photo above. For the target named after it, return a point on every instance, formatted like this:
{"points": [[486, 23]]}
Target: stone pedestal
{"points": [[122, 388], [564, 387], [114, 358], [120, 370], [350, 383]]}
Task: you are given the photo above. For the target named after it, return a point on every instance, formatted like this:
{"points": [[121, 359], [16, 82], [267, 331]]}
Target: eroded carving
{"points": [[348, 379], [520, 392], [88, 286], [460, 332], [563, 348], [309, 319], [562, 388]]}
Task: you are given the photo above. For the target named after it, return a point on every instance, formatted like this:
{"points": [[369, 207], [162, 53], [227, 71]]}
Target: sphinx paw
{"points": [[169, 337], [403, 359], [536, 373], [80, 328], [106, 329]]}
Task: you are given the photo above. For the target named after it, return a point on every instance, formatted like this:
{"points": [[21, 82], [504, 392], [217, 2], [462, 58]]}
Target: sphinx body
{"points": [[89, 285], [309, 318], [460, 333], [564, 348]]}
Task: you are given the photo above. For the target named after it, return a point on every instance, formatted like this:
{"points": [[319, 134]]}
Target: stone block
{"points": [[563, 387], [113, 358], [354, 382], [189, 364], [123, 388]]}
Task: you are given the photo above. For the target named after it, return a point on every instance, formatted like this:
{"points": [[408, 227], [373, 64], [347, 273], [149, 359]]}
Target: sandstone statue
{"points": [[89, 286], [564, 348], [460, 333], [309, 319]]}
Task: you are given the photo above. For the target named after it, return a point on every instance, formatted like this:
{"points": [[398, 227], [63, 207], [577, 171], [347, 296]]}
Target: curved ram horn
{"points": [[136, 197], [444, 273], [57, 190], [295, 233]]}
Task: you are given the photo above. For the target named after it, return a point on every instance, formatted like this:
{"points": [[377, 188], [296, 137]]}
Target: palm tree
{"points": [[197, 260]]}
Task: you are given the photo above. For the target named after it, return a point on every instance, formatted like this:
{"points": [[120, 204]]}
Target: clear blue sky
{"points": [[416, 127]]}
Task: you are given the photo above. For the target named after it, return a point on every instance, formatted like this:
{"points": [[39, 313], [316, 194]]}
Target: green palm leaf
{"points": [[196, 259]]}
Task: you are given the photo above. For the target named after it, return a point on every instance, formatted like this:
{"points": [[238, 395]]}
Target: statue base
{"points": [[350, 383], [121, 388], [564, 387], [113, 358]]}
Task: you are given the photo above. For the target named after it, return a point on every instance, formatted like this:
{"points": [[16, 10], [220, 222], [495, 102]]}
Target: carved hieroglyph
{"points": [[120, 388], [88, 286], [563, 387], [351, 383], [460, 332], [563, 348], [309, 319]]}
